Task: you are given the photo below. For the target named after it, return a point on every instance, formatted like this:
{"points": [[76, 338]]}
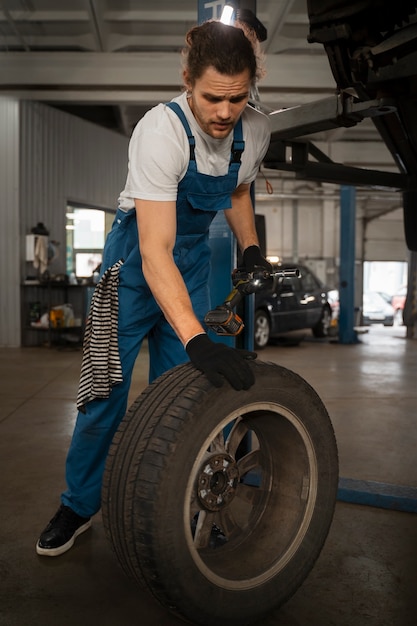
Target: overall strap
{"points": [[238, 143], [174, 106]]}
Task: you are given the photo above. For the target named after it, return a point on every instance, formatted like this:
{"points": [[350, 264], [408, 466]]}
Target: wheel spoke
{"points": [[195, 505], [203, 529], [218, 444], [249, 493], [228, 524], [249, 462], [237, 433]]}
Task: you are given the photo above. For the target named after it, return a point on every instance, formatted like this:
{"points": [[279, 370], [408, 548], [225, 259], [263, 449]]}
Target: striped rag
{"points": [[101, 368]]}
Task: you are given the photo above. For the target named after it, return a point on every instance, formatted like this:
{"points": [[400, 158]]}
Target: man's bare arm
{"points": [[157, 232], [241, 218]]}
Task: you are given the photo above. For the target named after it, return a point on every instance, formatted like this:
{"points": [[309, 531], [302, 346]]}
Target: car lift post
{"points": [[347, 333], [222, 242]]}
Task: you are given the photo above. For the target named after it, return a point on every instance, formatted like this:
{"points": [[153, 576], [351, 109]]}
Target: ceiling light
{"points": [[227, 15]]}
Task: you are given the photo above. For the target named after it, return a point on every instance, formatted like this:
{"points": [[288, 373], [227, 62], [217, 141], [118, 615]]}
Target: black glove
{"points": [[218, 362], [253, 259]]}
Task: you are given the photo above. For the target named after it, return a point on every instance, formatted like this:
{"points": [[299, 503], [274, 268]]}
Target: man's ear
{"points": [[186, 80]]}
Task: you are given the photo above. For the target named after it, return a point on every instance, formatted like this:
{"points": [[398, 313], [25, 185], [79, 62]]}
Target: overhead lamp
{"points": [[227, 14]]}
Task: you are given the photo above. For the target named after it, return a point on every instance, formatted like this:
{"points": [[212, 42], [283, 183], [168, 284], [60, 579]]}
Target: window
{"points": [[308, 282], [86, 231]]}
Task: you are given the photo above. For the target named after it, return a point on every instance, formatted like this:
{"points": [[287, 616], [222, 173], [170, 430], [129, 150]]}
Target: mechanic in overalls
{"points": [[188, 159]]}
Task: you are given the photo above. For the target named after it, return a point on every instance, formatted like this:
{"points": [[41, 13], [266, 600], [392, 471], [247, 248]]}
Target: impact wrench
{"points": [[223, 320]]}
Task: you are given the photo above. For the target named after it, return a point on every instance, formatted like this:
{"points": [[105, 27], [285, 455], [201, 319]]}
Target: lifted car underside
{"points": [[372, 51]]}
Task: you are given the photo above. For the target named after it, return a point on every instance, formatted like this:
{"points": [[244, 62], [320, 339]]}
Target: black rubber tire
{"points": [[321, 329], [272, 499], [262, 330]]}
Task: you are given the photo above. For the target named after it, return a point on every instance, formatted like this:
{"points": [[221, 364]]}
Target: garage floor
{"points": [[365, 576]]}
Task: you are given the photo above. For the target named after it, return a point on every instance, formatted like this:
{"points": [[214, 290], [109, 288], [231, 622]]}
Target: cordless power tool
{"points": [[223, 320]]}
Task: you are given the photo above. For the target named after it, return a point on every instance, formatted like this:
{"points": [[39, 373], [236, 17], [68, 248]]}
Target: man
{"points": [[188, 159]]}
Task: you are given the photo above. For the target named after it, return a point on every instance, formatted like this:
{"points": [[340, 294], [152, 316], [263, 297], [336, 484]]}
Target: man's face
{"points": [[217, 100]]}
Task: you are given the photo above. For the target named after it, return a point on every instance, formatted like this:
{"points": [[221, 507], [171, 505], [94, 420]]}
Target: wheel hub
{"points": [[217, 481]]}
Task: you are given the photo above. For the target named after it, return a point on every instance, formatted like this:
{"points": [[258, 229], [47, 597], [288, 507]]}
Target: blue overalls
{"points": [[199, 198]]}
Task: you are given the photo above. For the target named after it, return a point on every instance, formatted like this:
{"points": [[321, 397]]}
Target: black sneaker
{"points": [[61, 532]]}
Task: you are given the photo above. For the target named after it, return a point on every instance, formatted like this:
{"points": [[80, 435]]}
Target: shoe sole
{"points": [[66, 546]]}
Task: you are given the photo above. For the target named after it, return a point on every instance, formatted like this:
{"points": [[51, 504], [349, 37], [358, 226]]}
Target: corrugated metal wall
{"points": [[9, 231], [62, 158]]}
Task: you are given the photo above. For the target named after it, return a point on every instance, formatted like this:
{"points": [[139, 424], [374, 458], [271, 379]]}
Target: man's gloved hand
{"points": [[253, 259], [218, 362]]}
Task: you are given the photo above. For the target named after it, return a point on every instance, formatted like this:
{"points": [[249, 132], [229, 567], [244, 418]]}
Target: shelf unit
{"points": [[47, 295]]}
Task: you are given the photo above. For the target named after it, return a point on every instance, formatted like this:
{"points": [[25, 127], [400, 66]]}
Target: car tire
{"points": [[262, 330], [321, 329], [217, 501]]}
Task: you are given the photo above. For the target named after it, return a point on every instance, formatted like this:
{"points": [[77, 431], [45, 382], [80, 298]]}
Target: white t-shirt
{"points": [[159, 152]]}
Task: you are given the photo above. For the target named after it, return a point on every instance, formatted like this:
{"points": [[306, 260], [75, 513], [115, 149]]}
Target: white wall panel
{"points": [[384, 239], [317, 224], [9, 231], [312, 233]]}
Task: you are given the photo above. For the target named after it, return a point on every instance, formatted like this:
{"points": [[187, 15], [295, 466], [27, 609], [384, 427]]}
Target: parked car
{"points": [[376, 310], [291, 304], [398, 303]]}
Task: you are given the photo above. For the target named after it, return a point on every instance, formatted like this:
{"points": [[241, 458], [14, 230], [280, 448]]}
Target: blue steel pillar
{"points": [[222, 242], [347, 333]]}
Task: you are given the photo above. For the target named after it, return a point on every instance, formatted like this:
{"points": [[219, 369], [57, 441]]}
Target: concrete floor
{"points": [[366, 574]]}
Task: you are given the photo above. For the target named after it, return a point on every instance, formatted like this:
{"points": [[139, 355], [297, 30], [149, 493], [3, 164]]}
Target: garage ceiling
{"points": [[109, 61]]}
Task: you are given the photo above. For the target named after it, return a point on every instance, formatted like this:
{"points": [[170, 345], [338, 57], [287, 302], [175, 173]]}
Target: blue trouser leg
{"points": [[95, 429], [165, 349], [92, 437]]}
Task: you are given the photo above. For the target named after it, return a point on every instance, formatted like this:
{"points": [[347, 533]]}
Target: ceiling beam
{"points": [[66, 15], [150, 68], [90, 42]]}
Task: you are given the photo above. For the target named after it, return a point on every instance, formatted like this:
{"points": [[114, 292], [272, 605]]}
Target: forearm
{"points": [[241, 218], [157, 232], [170, 292]]}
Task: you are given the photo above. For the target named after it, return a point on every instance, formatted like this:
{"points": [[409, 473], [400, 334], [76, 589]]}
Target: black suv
{"points": [[291, 304]]}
